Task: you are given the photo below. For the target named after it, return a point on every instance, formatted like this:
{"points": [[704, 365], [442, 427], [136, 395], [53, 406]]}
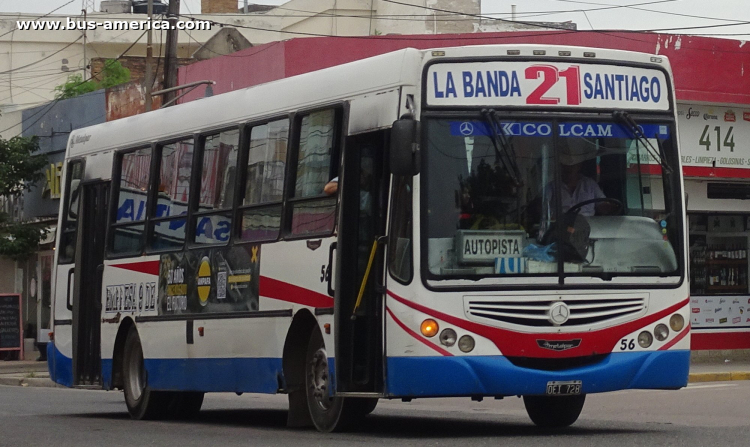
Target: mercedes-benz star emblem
{"points": [[559, 313], [466, 128]]}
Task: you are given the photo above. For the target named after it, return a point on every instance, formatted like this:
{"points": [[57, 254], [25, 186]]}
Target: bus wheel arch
{"points": [[293, 367], [119, 351]]}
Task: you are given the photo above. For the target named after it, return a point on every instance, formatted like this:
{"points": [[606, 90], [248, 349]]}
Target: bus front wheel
{"points": [[142, 402], [328, 413], [554, 411]]}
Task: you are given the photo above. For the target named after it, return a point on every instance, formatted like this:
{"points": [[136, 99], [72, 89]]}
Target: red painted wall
{"points": [[705, 69]]}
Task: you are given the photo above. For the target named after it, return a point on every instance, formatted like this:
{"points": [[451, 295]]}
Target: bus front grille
{"points": [[535, 311]]}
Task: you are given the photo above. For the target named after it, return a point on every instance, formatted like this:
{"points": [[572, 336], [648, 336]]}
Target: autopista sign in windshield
{"points": [[546, 84]]}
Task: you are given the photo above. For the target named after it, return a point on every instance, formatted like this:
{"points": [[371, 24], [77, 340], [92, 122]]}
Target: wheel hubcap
{"points": [[319, 379]]}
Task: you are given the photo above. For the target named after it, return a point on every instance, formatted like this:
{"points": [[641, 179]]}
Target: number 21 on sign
{"points": [[550, 75]]}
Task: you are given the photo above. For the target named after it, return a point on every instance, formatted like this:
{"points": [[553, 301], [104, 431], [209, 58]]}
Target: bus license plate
{"points": [[569, 388]]}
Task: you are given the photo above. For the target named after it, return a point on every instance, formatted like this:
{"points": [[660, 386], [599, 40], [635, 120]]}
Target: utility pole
{"points": [[149, 56], [170, 54], [85, 61]]}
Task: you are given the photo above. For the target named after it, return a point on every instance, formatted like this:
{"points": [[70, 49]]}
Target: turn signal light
{"points": [[676, 322], [429, 328]]}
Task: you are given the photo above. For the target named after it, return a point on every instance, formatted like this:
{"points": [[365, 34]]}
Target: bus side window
{"points": [[314, 212], [167, 225], [213, 220], [400, 245], [264, 182], [130, 216], [67, 247]]}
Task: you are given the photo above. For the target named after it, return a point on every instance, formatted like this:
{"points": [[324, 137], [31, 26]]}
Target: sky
{"points": [[719, 18]]}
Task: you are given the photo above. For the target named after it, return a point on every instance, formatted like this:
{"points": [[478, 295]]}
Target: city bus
{"points": [[480, 221]]}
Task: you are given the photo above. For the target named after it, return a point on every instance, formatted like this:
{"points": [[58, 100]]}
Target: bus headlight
{"points": [[429, 328], [466, 343], [448, 337], [645, 339], [676, 322], [661, 332]]}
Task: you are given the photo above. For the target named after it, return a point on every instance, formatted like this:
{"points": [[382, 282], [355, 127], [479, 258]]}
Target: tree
{"points": [[20, 169], [113, 73]]}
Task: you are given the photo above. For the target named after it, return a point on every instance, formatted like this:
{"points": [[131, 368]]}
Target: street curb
{"points": [[35, 382], [718, 377]]}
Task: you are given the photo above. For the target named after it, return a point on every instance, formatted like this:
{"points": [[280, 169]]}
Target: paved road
{"points": [[706, 414]]}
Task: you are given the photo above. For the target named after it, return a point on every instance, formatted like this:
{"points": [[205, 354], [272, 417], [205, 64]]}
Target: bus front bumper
{"points": [[497, 376]]}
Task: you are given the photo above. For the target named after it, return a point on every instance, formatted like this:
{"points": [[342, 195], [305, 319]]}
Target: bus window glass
{"points": [[316, 141], [264, 181], [316, 164], [266, 163], [400, 254], [217, 188], [174, 179], [503, 219], [128, 239], [173, 195], [261, 224], [70, 221], [218, 171], [134, 174]]}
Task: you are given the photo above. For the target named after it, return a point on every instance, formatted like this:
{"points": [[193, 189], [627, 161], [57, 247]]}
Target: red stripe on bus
{"points": [[674, 341], [415, 335], [517, 344], [149, 267], [279, 290]]}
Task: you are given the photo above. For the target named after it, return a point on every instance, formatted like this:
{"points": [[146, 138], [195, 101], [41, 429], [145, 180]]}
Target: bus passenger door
{"points": [[359, 326], [87, 302]]}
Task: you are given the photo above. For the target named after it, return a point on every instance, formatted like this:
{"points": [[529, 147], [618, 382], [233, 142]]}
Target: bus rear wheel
{"points": [[554, 411], [142, 402], [328, 413]]}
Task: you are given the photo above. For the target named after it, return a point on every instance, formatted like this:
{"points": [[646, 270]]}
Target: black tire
{"points": [[364, 405], [328, 414], [554, 411], [142, 402], [186, 405]]}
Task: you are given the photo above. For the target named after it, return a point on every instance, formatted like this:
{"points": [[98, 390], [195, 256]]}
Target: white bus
{"points": [[508, 220]]}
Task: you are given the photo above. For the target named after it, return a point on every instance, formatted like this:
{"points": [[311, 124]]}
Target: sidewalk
{"points": [[31, 373], [25, 373]]}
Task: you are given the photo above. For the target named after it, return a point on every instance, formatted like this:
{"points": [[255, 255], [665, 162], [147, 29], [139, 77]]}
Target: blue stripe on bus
{"points": [[246, 375], [497, 376], [60, 367]]}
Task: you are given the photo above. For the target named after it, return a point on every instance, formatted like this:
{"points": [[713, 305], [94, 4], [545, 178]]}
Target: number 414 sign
{"points": [[499, 83]]}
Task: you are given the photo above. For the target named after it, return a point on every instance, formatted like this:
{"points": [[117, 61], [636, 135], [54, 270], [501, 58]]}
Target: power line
{"points": [[40, 17], [53, 103]]}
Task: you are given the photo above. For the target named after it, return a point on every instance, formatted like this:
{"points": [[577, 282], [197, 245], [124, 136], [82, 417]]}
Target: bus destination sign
{"points": [[546, 84]]}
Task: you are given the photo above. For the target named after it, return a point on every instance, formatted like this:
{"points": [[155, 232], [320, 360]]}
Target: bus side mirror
{"points": [[404, 152]]}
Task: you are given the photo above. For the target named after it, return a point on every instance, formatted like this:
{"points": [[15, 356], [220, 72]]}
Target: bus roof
{"points": [[316, 88]]}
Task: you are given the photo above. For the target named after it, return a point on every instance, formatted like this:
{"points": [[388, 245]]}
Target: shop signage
{"points": [[11, 331], [714, 138], [721, 312]]}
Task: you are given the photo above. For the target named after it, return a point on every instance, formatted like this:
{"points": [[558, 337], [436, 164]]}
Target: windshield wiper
{"points": [[504, 151], [657, 154]]}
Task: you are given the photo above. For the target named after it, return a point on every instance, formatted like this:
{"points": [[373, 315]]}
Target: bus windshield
{"points": [[533, 197]]}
